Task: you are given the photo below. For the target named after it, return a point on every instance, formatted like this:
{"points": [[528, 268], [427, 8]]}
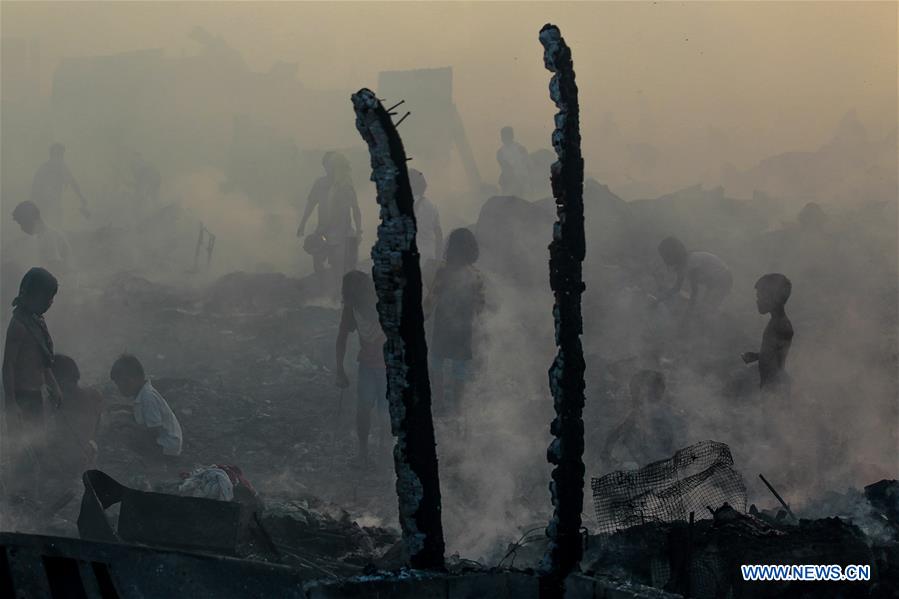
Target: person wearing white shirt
{"points": [[430, 236], [514, 164], [151, 411]]}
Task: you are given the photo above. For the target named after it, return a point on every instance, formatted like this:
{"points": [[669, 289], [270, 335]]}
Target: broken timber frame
{"points": [[566, 375], [397, 278]]}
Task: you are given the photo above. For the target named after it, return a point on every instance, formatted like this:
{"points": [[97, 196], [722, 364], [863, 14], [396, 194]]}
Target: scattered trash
{"points": [[209, 482]]}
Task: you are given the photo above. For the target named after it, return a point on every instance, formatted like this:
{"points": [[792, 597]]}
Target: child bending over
{"points": [[699, 270], [159, 430]]}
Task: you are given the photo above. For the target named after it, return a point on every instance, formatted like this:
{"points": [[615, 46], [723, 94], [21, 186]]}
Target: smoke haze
{"points": [[715, 122]]}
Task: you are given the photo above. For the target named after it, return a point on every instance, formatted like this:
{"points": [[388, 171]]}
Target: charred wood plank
{"points": [[566, 375], [397, 278]]}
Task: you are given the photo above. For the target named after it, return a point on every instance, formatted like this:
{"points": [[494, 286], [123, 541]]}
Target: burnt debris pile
{"points": [[228, 517], [703, 559], [682, 525], [310, 533]]}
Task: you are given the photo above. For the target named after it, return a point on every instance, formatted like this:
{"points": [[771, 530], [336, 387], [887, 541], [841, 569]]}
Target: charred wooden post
{"points": [[566, 375], [397, 278]]}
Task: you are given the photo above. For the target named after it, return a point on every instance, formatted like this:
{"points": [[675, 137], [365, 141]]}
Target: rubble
{"points": [[681, 525], [704, 559], [872, 510], [306, 533], [511, 234], [308, 530], [884, 497]]}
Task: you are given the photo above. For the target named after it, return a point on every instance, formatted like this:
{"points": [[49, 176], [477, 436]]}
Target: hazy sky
{"points": [[774, 76]]}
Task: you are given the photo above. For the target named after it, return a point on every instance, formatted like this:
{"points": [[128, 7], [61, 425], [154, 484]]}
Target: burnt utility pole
{"points": [[566, 375], [397, 277]]}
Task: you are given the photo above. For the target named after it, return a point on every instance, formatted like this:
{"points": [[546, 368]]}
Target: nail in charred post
{"points": [[397, 278], [566, 375]]}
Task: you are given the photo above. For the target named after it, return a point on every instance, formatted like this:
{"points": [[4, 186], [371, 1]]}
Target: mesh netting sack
{"points": [[697, 477]]}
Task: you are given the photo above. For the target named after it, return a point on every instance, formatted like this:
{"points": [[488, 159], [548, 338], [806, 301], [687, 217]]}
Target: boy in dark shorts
{"points": [[360, 314]]}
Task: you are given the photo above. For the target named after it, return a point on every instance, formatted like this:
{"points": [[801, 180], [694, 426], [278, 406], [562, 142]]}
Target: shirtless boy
{"points": [[772, 292]]}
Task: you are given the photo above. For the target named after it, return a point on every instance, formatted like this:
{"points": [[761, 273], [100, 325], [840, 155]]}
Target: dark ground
{"points": [[246, 363]]}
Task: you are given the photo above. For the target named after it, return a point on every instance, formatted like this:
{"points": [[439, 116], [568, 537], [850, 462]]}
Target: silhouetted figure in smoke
{"points": [[27, 380], [772, 292], [157, 435], [147, 182], [429, 237], [360, 314], [318, 196], [650, 430], [74, 444], [50, 181], [699, 269], [54, 252], [456, 300], [514, 164], [334, 239]]}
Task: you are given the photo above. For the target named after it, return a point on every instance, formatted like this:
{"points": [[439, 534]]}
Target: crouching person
{"points": [[158, 438], [77, 422]]}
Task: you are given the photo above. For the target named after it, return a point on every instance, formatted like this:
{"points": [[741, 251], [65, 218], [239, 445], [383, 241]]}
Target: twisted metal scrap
{"points": [[566, 375], [397, 277]]}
